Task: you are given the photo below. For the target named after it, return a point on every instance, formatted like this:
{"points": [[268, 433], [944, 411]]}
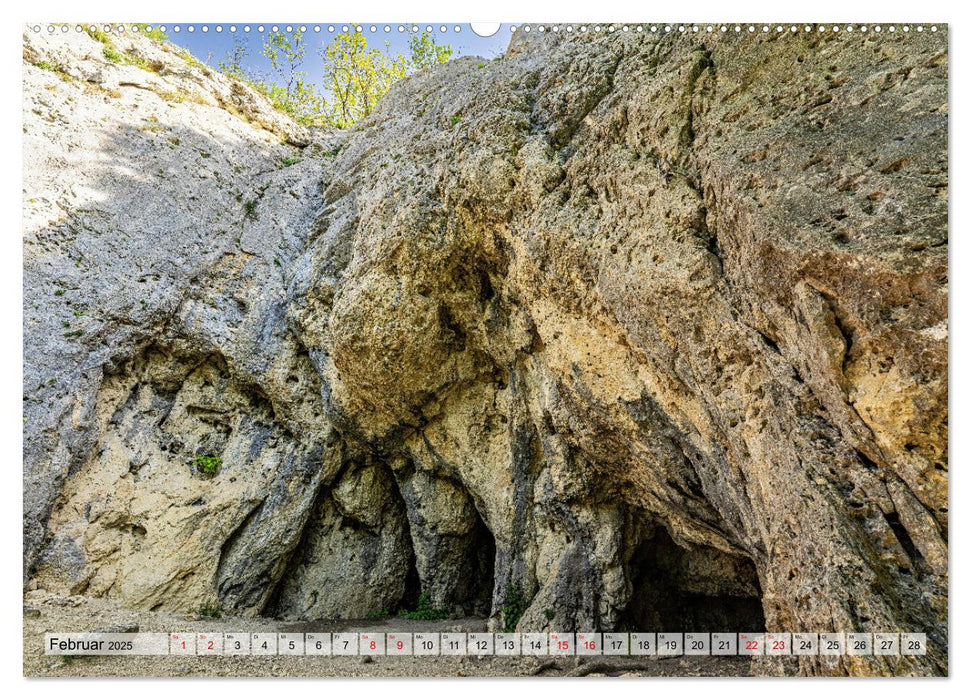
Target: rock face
{"points": [[627, 331]]}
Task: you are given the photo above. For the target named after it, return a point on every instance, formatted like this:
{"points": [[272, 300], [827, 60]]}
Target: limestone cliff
{"points": [[648, 331]]}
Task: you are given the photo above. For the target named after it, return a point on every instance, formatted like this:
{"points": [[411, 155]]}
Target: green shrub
{"points": [[513, 607], [111, 54], [208, 465], [211, 610], [156, 33], [98, 35], [426, 612]]}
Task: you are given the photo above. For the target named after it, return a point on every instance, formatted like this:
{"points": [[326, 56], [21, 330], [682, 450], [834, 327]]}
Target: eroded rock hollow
{"points": [[648, 332]]}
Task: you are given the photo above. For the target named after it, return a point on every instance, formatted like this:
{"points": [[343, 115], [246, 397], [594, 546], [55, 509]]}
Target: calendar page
{"points": [[516, 349]]}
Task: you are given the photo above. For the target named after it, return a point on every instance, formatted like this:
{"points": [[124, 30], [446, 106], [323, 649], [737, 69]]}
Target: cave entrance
{"points": [[458, 573], [473, 592], [691, 590]]}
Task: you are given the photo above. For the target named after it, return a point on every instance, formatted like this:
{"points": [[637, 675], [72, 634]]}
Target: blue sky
{"points": [[212, 46]]}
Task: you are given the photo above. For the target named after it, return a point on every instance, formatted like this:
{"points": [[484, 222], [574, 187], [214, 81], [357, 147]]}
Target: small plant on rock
{"points": [[513, 607], [111, 54], [211, 610], [426, 612], [208, 465], [152, 33]]}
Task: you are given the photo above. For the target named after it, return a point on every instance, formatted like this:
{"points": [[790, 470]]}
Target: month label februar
{"points": [[107, 644]]}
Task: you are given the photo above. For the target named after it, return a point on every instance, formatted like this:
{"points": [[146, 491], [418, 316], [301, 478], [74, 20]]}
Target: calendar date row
{"points": [[488, 644]]}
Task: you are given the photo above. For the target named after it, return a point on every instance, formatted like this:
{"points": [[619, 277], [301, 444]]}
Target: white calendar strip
{"points": [[660, 644]]}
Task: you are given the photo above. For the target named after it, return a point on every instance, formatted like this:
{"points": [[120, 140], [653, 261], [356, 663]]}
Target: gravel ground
{"points": [[78, 614]]}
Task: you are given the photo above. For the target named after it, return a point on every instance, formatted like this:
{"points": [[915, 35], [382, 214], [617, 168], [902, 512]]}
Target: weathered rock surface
{"points": [[651, 330]]}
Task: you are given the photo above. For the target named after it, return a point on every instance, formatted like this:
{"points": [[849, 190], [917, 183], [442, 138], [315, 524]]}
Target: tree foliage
{"points": [[293, 93], [232, 65], [426, 52], [356, 75]]}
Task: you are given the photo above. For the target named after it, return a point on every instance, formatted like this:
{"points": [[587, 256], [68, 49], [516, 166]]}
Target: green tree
{"points": [[286, 54], [357, 76], [293, 94], [232, 65], [426, 52], [286, 86]]}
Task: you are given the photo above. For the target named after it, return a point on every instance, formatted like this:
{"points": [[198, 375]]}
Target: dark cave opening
{"points": [[475, 591], [691, 590], [459, 571], [409, 599]]}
